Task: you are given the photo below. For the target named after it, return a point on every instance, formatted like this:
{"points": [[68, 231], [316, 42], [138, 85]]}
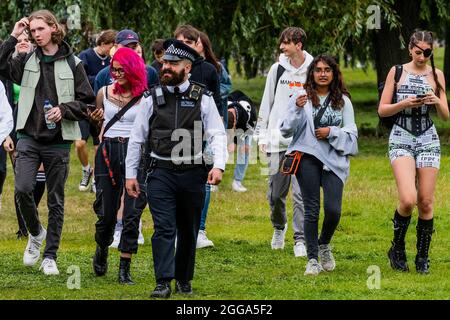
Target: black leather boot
{"points": [[424, 234], [100, 261], [397, 252], [162, 290], [124, 272]]}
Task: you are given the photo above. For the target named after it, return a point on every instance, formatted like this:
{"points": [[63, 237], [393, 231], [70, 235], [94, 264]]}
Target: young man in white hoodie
{"points": [[284, 79]]}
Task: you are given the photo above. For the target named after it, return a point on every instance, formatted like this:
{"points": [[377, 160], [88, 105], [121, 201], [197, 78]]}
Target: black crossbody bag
{"points": [[291, 161]]}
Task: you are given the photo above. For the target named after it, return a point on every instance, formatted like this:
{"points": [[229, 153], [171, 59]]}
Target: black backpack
{"points": [[388, 122], [249, 117]]}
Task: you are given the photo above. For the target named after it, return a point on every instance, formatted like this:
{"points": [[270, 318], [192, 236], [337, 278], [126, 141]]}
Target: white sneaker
{"points": [[203, 241], [299, 249], [278, 238], [93, 187], [116, 241], [49, 267], [326, 257], [141, 239], [238, 187], [33, 249], [214, 188], [313, 268]]}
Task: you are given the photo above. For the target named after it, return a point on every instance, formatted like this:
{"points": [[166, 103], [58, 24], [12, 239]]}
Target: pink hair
{"points": [[134, 69]]}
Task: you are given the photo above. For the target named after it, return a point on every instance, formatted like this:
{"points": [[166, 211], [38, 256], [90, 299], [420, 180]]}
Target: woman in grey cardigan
{"points": [[323, 128]]}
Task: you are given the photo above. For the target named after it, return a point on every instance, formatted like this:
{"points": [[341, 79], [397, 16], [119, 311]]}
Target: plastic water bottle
{"points": [[47, 107]]}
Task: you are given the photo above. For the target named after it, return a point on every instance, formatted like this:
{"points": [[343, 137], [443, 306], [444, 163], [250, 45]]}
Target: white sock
{"points": [[87, 168]]}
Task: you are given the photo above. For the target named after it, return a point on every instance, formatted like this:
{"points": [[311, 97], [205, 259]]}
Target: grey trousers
{"points": [[278, 191], [30, 154]]}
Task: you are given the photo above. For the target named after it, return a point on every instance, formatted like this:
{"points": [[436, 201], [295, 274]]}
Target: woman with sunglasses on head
{"points": [[130, 82], [322, 124], [414, 148]]}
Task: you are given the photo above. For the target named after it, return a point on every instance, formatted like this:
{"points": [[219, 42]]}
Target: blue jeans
{"points": [[242, 157], [205, 207]]}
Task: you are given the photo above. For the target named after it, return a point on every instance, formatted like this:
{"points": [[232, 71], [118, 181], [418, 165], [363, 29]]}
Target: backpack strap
{"points": [[280, 71], [397, 76]]}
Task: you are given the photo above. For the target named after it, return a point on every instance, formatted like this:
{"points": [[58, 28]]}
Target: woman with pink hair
{"points": [[116, 108]]}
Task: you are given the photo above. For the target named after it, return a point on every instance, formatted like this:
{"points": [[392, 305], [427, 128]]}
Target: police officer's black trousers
{"points": [[108, 196], [176, 200]]}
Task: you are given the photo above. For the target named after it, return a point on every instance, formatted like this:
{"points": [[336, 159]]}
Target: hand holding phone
{"points": [[20, 26]]}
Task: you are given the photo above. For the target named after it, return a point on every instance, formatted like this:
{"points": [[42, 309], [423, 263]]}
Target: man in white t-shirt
{"points": [[284, 79]]}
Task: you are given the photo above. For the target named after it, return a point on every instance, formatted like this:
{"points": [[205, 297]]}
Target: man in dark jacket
{"points": [[202, 72], [49, 75]]}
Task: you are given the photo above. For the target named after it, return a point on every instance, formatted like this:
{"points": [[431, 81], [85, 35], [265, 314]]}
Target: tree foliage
{"points": [[244, 30]]}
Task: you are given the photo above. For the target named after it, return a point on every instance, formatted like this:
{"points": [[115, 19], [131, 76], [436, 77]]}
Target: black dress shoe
{"points": [[162, 290], [100, 261], [124, 272], [183, 287]]}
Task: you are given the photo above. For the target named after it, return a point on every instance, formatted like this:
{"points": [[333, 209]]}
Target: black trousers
{"points": [[176, 200], [30, 154], [311, 177], [108, 196], [132, 214]]}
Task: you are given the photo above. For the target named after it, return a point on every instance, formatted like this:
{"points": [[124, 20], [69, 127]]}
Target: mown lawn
{"points": [[242, 264]]}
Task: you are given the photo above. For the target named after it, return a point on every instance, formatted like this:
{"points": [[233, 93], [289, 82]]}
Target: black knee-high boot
{"points": [[424, 232], [397, 252]]}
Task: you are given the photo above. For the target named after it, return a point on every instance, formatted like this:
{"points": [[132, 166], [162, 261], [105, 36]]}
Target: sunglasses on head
{"points": [[426, 52]]}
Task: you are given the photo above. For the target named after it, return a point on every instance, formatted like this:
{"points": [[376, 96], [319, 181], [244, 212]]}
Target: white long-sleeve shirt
{"points": [[6, 118], [212, 125]]}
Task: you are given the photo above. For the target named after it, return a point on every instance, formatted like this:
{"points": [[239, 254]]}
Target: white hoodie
{"points": [[274, 106]]}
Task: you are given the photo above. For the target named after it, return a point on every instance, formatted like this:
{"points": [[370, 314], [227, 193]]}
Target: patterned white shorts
{"points": [[424, 149]]}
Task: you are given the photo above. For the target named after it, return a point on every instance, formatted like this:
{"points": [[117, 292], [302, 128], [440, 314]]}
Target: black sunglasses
{"points": [[426, 53]]}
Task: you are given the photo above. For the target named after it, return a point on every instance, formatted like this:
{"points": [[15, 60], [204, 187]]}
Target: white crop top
{"points": [[121, 128]]}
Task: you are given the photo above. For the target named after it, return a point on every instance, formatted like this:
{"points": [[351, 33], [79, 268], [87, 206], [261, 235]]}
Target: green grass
{"points": [[242, 264]]}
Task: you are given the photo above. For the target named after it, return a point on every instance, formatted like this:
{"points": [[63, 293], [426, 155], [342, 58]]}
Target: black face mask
{"points": [[426, 53]]}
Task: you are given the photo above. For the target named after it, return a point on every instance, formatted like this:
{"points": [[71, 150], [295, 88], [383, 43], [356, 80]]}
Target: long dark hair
{"points": [[209, 53], [337, 86], [426, 36]]}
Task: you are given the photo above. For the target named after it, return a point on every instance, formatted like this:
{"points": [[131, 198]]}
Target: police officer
{"points": [[181, 113]]}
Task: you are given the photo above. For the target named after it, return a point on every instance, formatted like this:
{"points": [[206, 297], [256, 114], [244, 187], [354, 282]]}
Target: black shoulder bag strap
{"points": [[120, 114], [321, 112]]}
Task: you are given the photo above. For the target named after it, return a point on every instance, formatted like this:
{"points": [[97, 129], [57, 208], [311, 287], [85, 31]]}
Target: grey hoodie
{"points": [[333, 152]]}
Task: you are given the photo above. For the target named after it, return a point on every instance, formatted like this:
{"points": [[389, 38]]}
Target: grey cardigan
{"points": [[333, 152]]}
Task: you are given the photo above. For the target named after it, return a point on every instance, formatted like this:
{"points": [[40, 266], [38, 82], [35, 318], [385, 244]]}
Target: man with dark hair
{"points": [[285, 78], [158, 52], [177, 176], [94, 60], [202, 72], [50, 75]]}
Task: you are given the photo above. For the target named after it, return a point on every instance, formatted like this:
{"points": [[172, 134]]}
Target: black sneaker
{"points": [[183, 287], [397, 257], [162, 290], [85, 180], [422, 265]]}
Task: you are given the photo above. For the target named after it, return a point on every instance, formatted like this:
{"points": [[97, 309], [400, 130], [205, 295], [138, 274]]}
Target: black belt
{"points": [[168, 164], [116, 139]]}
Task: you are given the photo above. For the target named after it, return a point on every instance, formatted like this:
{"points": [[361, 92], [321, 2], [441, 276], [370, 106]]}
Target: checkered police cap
{"points": [[176, 50]]}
